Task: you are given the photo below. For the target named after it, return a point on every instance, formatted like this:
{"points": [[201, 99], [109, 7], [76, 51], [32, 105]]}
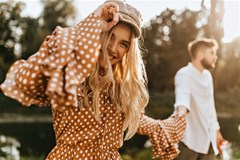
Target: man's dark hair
{"points": [[194, 45]]}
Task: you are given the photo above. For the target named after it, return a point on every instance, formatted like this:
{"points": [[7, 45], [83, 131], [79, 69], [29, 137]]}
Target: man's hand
{"points": [[220, 140], [181, 111]]}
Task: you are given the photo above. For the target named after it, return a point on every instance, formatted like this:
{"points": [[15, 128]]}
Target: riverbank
{"points": [[36, 135], [24, 118], [47, 118]]}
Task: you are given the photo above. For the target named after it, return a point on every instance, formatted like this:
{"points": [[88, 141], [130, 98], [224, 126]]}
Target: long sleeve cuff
{"points": [[164, 135], [53, 76]]}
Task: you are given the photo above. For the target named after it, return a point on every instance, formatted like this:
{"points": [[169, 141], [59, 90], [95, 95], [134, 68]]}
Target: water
{"points": [[38, 138]]}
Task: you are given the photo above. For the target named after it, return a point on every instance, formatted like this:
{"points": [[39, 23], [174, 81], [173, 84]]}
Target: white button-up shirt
{"points": [[194, 90]]}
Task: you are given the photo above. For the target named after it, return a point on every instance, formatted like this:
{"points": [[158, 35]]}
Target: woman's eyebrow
{"points": [[126, 41]]}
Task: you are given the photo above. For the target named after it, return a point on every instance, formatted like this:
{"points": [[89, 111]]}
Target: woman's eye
{"points": [[112, 37], [125, 45]]}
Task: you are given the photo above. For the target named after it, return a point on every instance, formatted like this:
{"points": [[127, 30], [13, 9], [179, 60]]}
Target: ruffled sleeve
{"points": [[52, 76], [164, 135]]}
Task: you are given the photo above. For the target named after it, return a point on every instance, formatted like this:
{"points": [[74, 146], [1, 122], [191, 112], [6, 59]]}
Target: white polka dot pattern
{"points": [[53, 76], [164, 135], [80, 136], [25, 87]]}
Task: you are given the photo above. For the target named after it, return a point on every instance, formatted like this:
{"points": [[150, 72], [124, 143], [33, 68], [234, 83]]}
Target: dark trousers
{"points": [[188, 154]]}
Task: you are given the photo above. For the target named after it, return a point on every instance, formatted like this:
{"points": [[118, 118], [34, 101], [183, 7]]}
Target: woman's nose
{"points": [[112, 46]]}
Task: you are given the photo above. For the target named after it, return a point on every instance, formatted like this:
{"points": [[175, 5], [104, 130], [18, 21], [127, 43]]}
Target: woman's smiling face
{"points": [[119, 43]]}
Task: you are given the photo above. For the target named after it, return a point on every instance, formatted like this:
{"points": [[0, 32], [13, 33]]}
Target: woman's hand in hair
{"points": [[109, 12]]}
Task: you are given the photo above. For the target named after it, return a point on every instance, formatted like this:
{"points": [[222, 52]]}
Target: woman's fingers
{"points": [[109, 12], [112, 5], [115, 17], [111, 15]]}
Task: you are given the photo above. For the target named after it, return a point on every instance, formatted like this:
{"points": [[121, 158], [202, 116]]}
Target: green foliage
{"points": [[22, 36], [10, 25], [32, 157], [167, 37], [236, 152], [126, 157], [166, 40], [144, 154], [228, 101], [228, 71], [160, 105], [11, 31], [214, 27], [9, 148], [32, 36], [56, 13]]}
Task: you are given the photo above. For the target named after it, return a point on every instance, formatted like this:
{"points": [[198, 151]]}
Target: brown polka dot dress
{"points": [[53, 77]]}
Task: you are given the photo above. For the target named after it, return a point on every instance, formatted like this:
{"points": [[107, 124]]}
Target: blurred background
{"points": [[168, 25]]}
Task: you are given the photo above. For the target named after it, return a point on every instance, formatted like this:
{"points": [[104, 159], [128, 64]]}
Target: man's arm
{"points": [[182, 94]]}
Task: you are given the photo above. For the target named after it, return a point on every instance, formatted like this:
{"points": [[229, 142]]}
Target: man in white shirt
{"points": [[194, 92]]}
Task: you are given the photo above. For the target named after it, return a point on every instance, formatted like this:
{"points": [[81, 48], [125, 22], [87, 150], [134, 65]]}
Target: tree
{"points": [[214, 26], [56, 13], [11, 31], [214, 29], [166, 39], [31, 38], [229, 66]]}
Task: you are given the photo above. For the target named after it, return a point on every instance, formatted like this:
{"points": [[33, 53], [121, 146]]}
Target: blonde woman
{"points": [[93, 77]]}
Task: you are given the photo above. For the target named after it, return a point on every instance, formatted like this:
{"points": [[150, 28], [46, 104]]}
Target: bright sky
{"points": [[151, 8]]}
